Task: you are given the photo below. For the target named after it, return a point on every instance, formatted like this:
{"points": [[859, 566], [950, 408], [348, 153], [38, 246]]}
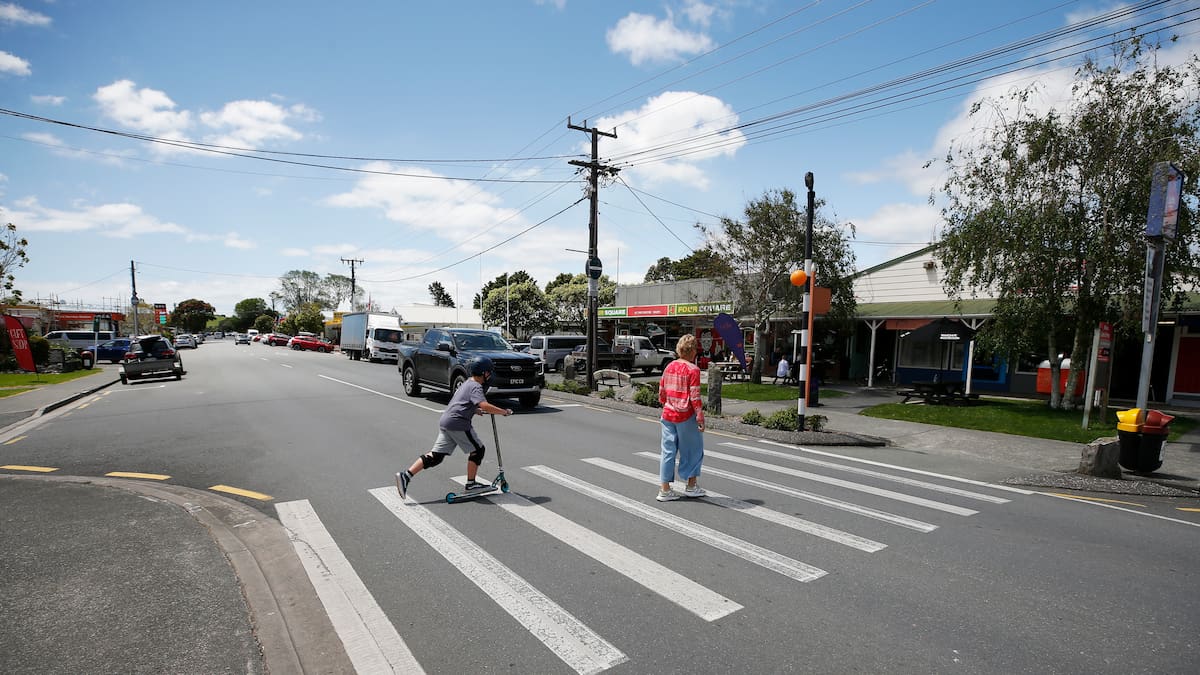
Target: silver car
{"points": [[151, 356]]}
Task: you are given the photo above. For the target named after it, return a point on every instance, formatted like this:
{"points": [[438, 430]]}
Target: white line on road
{"points": [[895, 467], [570, 640], [671, 585], [371, 641], [769, 515], [745, 550], [1118, 508], [286, 365], [886, 517], [859, 487], [875, 474], [380, 393]]}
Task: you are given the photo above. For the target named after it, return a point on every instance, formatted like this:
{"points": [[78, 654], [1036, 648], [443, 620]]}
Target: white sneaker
{"points": [[694, 491], [667, 496]]}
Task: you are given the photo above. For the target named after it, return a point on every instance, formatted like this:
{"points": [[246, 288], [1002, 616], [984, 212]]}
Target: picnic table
{"points": [[732, 370], [938, 392]]}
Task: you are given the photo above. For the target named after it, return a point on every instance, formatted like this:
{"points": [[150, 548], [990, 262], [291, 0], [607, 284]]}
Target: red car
{"points": [[277, 339], [317, 344]]}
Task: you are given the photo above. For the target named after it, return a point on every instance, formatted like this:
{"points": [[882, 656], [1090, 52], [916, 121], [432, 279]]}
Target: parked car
{"points": [[112, 351], [241, 339], [316, 344], [608, 357], [151, 356], [277, 339], [186, 340]]}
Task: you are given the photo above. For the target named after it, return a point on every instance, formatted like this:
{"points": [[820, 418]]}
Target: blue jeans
{"points": [[682, 439]]}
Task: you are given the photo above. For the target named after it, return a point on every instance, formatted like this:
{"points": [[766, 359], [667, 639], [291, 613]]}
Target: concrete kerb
{"points": [[287, 616], [72, 398]]}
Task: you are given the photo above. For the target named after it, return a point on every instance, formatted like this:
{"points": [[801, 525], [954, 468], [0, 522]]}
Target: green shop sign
{"points": [[678, 309]]}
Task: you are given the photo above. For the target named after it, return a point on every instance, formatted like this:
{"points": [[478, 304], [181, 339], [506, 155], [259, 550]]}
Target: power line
{"points": [[660, 222]]}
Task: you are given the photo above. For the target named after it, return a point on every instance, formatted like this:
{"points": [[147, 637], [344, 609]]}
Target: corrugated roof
{"points": [[925, 309]]}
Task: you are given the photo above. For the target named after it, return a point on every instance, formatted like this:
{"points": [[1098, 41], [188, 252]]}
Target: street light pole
{"points": [[806, 315]]}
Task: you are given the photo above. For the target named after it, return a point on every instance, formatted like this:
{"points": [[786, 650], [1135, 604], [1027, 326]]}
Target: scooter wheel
{"points": [[449, 497], [504, 486]]}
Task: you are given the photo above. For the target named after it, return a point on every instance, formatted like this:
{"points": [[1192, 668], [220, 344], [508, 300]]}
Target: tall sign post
{"points": [[1166, 184], [804, 278]]}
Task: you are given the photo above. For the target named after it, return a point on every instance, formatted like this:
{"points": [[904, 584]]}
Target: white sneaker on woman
{"points": [[694, 491], [667, 496]]}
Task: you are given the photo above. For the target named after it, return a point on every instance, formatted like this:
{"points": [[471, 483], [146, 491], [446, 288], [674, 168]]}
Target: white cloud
{"points": [[146, 110], [121, 220], [294, 252], [233, 240], [49, 100], [900, 222], [58, 147], [13, 65], [699, 12], [556, 4], [670, 118], [251, 123], [647, 40], [12, 13]]}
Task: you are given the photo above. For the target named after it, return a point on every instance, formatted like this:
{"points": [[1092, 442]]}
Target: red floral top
{"points": [[679, 392]]}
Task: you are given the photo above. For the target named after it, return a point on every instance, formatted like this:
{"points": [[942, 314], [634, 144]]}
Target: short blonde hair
{"points": [[686, 346]]}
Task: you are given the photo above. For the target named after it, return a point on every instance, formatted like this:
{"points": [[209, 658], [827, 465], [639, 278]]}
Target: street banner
{"points": [[20, 343], [731, 332]]}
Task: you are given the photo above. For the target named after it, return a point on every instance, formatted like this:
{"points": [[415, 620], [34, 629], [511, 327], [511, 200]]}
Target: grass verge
{"points": [[1023, 418], [746, 391], [38, 379]]}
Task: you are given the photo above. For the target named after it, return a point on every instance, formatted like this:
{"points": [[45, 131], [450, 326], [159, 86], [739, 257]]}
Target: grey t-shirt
{"points": [[460, 414]]}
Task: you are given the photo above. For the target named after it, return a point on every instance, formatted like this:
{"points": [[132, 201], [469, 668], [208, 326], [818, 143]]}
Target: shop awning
{"points": [[906, 324]]}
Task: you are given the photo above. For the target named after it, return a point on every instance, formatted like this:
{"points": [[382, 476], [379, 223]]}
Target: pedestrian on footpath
{"points": [[682, 421], [456, 428]]}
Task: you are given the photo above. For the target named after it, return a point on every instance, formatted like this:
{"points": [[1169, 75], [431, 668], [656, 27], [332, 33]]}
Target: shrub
{"points": [[753, 417], [816, 422], [783, 420], [607, 393], [570, 387], [646, 396], [40, 347]]}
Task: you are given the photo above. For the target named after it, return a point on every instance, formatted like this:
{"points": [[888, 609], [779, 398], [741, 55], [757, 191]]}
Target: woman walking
{"points": [[682, 422]]}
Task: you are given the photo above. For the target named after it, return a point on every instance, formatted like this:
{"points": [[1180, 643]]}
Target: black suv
{"points": [[151, 356]]}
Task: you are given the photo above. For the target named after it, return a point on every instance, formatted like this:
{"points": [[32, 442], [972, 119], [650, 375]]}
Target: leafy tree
{"points": [[703, 263], [562, 279], [440, 297], [247, 311], [338, 288], [12, 257], [192, 315], [518, 277], [265, 323], [525, 305], [570, 300], [761, 252], [308, 319], [299, 287], [662, 270], [1048, 211]]}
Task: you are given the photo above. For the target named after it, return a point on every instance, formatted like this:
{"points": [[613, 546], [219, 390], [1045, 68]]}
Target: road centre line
{"points": [[1184, 508], [242, 493], [135, 474], [875, 474], [761, 512], [896, 467], [745, 550], [371, 640], [849, 485], [14, 440], [1095, 499], [24, 467], [884, 516], [1119, 508], [286, 365], [380, 393], [568, 638], [672, 586]]}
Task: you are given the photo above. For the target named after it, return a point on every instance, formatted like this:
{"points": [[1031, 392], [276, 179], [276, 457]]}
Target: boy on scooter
{"points": [[456, 428]]}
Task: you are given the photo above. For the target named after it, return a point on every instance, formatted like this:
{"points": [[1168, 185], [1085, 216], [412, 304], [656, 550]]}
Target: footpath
{"points": [[102, 574]]}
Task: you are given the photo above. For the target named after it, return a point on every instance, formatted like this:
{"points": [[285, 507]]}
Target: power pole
{"points": [[593, 268], [133, 278], [353, 287]]}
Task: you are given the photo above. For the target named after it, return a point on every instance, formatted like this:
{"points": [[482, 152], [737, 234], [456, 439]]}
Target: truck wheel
{"points": [[646, 370], [531, 400], [457, 382], [558, 365], [411, 388], [665, 363]]}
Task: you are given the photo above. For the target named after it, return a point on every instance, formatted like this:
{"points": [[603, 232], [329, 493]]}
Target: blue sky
{"points": [[431, 138]]}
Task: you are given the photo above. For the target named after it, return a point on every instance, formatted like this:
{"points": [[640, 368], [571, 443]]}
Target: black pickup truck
{"points": [[607, 357], [441, 362]]}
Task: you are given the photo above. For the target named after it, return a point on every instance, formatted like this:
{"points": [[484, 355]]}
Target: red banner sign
{"points": [[20, 343]]}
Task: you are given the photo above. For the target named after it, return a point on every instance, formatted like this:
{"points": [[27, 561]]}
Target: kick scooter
{"points": [[498, 484]]}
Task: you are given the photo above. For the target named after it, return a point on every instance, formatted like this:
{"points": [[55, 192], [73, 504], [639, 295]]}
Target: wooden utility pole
{"points": [[353, 288], [593, 268]]}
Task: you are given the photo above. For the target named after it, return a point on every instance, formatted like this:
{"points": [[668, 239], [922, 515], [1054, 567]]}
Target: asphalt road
{"points": [[812, 567]]}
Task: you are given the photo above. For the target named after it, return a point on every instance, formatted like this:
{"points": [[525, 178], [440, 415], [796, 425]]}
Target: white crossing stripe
{"points": [[886, 517], [859, 487], [895, 467], [807, 526], [745, 550], [371, 641], [876, 474], [564, 635], [671, 585]]}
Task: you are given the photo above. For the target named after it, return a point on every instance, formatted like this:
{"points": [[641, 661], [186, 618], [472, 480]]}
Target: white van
{"points": [[552, 349], [79, 339], [646, 355]]}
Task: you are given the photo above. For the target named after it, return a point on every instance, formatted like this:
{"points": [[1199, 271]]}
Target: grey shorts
{"points": [[449, 439]]}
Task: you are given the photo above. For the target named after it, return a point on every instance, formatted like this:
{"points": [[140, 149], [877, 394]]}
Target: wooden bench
{"points": [[938, 393]]}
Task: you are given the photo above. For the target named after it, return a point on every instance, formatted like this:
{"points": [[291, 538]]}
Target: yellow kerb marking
{"points": [[1181, 508], [1096, 499], [134, 474], [22, 467], [243, 493], [18, 438]]}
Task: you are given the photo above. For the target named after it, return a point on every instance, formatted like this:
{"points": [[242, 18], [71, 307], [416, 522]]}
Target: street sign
{"points": [[594, 268], [1166, 182]]}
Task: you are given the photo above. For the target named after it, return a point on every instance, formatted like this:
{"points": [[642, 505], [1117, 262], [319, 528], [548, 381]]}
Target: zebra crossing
{"points": [[374, 645]]}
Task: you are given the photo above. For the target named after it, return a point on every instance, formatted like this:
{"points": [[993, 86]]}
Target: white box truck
{"points": [[372, 336]]}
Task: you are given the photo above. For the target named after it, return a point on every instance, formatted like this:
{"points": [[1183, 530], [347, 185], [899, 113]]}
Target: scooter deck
{"points": [[498, 486]]}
